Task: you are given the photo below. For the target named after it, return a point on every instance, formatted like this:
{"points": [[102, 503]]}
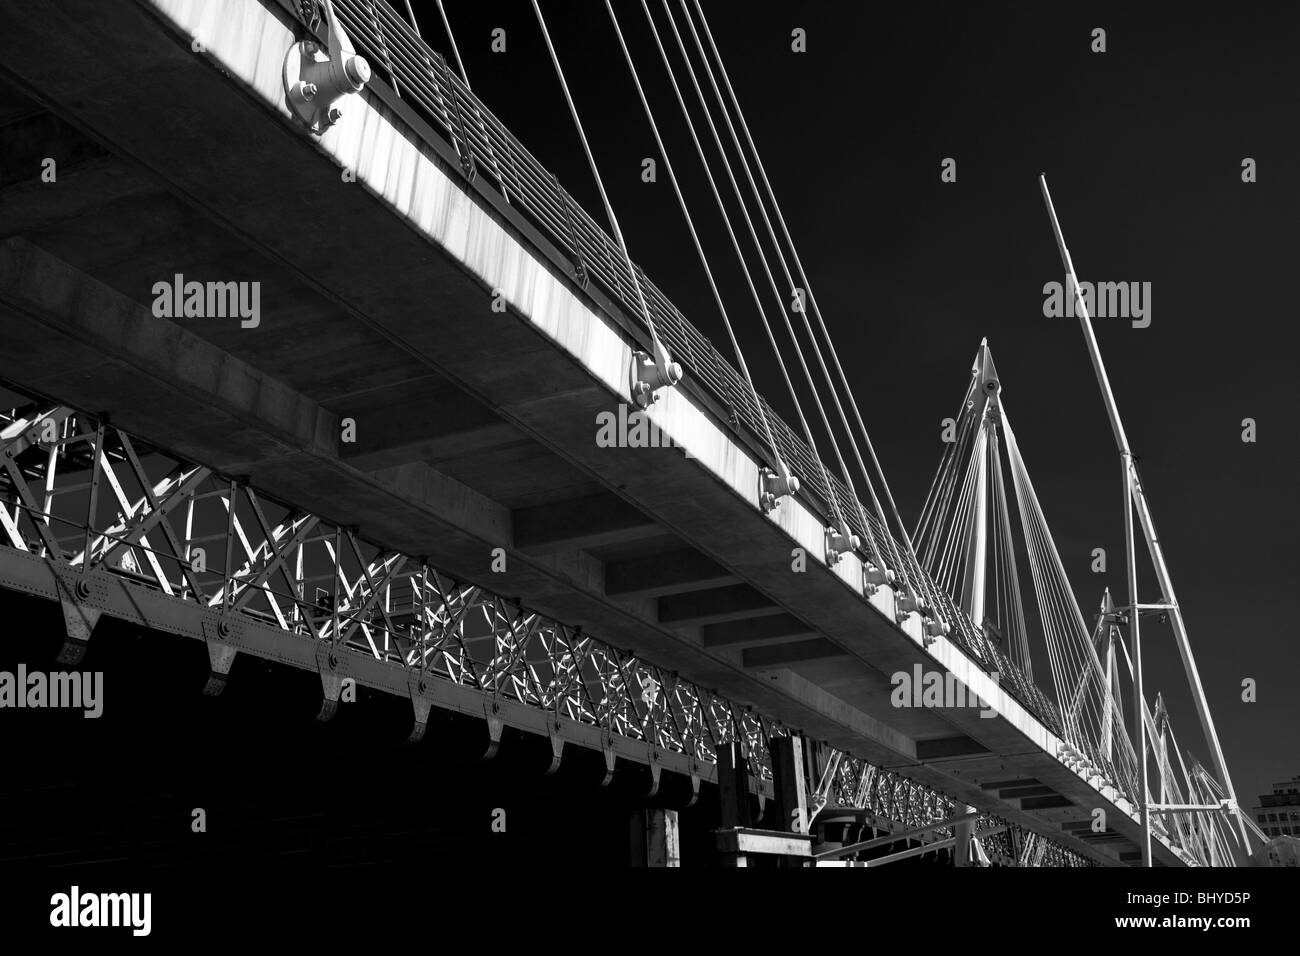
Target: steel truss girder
{"points": [[386, 621]]}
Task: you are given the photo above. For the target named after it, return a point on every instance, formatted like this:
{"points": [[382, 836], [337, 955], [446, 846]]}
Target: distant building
{"points": [[1278, 813]]}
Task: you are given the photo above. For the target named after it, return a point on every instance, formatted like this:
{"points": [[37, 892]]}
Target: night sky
{"points": [[1142, 146]]}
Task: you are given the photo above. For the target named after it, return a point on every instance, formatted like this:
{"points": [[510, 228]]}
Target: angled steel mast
{"points": [[1134, 497]]}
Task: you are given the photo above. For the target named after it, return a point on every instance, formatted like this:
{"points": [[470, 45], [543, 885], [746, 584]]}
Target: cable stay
{"points": [[841, 540], [648, 372], [451, 38], [806, 286], [795, 294], [881, 572], [774, 484]]}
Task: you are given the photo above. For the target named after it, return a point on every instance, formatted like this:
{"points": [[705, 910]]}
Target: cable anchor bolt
{"points": [[649, 373], [838, 544], [907, 604], [874, 578], [773, 487], [316, 78], [937, 628]]}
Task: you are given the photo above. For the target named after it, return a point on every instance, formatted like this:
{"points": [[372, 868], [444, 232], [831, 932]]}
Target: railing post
{"points": [[383, 46], [436, 83], [579, 263], [463, 146]]}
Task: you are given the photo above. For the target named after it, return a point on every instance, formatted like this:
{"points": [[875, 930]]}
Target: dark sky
{"points": [[1142, 146]]}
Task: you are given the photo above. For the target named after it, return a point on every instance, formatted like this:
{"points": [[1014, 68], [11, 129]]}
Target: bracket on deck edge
{"points": [[874, 578], [421, 704], [221, 656], [773, 487], [648, 373], [837, 545], [495, 727], [78, 618], [557, 745], [607, 751], [331, 680], [315, 79]]}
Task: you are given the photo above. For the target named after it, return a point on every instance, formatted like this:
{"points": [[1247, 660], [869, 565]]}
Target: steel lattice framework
{"points": [[107, 524], [896, 804]]}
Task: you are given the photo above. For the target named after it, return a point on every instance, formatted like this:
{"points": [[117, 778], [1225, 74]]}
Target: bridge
{"points": [[305, 357]]}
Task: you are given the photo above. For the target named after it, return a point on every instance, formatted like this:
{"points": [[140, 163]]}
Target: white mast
{"points": [[1134, 497]]}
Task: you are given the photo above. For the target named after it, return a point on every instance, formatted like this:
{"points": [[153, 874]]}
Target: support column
{"points": [[961, 845], [791, 798], [733, 786], [655, 839]]}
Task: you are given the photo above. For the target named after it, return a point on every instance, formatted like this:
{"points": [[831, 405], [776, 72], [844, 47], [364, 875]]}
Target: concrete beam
{"points": [[433, 422], [15, 106], [1045, 803], [656, 575], [447, 441], [86, 175], [755, 631], [579, 524], [958, 746], [738, 602], [1005, 784], [776, 654], [32, 139], [1015, 793]]}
